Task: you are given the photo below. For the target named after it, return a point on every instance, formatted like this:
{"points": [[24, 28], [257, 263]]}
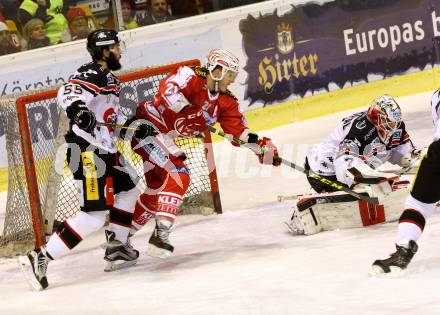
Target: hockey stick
{"points": [[115, 126], [334, 184], [143, 121]]}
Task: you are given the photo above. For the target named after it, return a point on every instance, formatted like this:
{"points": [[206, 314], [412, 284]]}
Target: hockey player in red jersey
{"points": [[188, 99], [89, 98]]}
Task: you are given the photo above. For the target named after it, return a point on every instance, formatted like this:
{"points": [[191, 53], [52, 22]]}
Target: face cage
{"points": [[386, 128], [230, 74]]}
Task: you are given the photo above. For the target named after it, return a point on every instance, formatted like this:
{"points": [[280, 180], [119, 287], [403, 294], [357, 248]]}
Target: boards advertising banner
{"points": [[313, 45]]}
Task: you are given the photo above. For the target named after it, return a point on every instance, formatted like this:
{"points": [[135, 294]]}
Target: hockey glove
{"points": [[79, 114], [409, 162], [144, 130], [269, 153]]}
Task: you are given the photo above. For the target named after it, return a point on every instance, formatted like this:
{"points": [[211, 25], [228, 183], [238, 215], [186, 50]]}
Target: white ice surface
{"points": [[244, 261]]}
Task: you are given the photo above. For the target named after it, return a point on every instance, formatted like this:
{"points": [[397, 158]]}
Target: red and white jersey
{"points": [[435, 111], [184, 92], [98, 89]]}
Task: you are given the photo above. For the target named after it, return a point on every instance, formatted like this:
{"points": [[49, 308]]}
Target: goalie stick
{"points": [[335, 184]]}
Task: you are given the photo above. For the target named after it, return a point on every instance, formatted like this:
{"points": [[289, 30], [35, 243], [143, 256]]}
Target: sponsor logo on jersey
{"points": [[88, 162], [395, 140], [156, 153], [370, 133], [168, 204], [110, 117], [179, 169], [170, 200], [85, 74], [361, 124]]}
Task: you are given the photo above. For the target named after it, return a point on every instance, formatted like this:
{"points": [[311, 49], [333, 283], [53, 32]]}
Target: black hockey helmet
{"points": [[100, 39]]}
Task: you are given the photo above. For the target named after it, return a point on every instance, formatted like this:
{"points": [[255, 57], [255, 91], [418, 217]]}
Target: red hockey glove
{"points": [[270, 155]]}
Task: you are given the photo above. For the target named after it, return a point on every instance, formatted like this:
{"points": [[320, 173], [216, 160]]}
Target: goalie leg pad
{"points": [[304, 222]]}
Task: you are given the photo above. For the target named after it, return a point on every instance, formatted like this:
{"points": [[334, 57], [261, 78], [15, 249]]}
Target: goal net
{"points": [[41, 189]]}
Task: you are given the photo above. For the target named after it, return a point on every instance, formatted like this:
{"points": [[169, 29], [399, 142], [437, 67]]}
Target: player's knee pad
{"points": [[88, 222], [426, 209]]}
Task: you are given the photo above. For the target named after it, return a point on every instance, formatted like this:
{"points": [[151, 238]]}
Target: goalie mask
{"points": [[386, 115], [228, 63]]}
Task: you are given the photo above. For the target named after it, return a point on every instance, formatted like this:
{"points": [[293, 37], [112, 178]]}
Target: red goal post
{"points": [[41, 189]]}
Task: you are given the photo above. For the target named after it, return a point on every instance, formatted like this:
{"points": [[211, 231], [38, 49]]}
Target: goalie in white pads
{"points": [[419, 205], [92, 96], [351, 154]]}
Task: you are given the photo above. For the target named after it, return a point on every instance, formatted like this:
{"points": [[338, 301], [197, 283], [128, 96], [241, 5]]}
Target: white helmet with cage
{"points": [[222, 58], [386, 115]]}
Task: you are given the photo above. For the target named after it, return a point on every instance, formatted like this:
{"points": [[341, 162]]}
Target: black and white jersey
{"points": [[435, 111], [99, 89], [356, 141]]}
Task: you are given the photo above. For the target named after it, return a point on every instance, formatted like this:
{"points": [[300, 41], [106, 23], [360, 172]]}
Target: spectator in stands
{"points": [[183, 8], [9, 9], [204, 6], [78, 24], [34, 33], [5, 40], [128, 16], [16, 39], [128, 13], [157, 13], [48, 11]]}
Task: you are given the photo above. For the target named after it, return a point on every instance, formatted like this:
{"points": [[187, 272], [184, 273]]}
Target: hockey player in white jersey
{"points": [[363, 140], [419, 205], [101, 174], [351, 155]]}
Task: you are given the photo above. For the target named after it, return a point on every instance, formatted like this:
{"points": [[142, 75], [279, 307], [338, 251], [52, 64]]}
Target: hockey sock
{"points": [[72, 231], [411, 225], [121, 215]]}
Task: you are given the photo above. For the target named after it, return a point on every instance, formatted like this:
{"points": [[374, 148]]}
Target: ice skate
{"points": [[397, 262], [159, 245], [34, 267], [117, 254]]}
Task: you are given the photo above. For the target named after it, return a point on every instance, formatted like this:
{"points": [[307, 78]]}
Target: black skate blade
{"points": [[26, 268], [117, 265], [157, 252]]}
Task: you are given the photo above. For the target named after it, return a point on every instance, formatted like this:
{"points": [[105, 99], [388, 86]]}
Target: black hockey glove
{"points": [[144, 130], [79, 114]]}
